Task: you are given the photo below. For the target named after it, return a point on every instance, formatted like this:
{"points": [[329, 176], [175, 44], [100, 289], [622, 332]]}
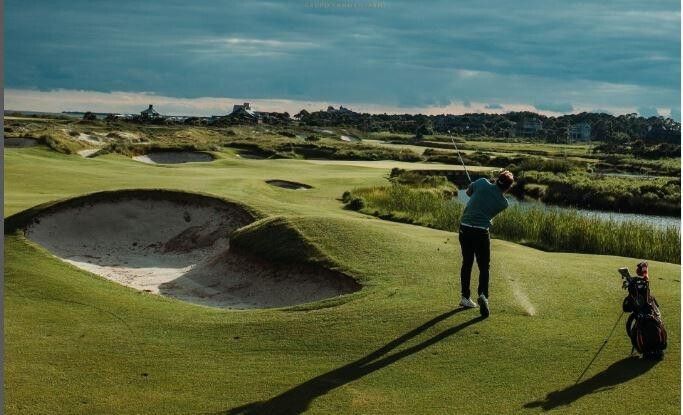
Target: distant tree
{"points": [[422, 131], [89, 116], [301, 114]]}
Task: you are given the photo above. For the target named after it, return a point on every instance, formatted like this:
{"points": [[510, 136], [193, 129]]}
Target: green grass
{"points": [[76, 343]]}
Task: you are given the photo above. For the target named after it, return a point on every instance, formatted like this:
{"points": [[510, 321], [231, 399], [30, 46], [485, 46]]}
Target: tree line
{"points": [[604, 127]]}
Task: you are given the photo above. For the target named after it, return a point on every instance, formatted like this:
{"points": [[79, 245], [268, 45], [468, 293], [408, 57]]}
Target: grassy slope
{"points": [[93, 340]]}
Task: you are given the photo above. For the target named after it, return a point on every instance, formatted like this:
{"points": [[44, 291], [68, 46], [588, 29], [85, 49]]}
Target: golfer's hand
{"points": [[469, 190]]}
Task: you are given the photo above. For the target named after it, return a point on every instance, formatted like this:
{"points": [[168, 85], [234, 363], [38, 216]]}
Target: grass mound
{"points": [[278, 238]]}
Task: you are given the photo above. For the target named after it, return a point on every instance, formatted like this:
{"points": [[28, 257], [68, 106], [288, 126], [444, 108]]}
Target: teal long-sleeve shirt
{"points": [[487, 201]]}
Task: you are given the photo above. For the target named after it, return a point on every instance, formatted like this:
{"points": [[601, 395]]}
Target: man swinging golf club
{"points": [[486, 201]]}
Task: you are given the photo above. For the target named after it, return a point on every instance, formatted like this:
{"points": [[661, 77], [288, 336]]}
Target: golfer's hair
{"points": [[503, 186], [505, 180]]}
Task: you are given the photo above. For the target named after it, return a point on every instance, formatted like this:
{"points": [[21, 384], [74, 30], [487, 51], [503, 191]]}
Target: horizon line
{"points": [[69, 100]]}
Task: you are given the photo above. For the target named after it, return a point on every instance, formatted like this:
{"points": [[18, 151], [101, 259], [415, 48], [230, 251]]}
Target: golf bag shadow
{"points": [[644, 325]]}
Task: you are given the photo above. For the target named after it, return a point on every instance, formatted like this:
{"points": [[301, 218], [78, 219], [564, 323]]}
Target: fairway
{"points": [[78, 343]]}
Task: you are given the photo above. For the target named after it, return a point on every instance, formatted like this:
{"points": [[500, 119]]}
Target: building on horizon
{"points": [[341, 110], [150, 113], [244, 112]]}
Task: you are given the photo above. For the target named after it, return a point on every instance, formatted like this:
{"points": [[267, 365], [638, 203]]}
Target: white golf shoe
{"points": [[467, 303]]}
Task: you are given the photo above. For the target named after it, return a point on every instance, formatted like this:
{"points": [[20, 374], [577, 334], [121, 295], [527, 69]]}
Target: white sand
{"points": [[90, 139], [174, 157], [181, 251], [88, 152]]}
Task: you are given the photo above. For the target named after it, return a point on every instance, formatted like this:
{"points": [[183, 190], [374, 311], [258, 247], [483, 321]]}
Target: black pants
{"points": [[475, 242]]}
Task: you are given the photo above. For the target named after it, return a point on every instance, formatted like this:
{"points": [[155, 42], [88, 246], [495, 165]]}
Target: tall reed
{"points": [[544, 228]]}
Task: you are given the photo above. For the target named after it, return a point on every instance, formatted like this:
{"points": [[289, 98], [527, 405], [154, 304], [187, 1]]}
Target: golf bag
{"points": [[644, 326]]}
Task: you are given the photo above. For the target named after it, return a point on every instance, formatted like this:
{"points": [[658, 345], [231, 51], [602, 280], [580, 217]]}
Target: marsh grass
{"points": [[659, 196], [547, 229]]}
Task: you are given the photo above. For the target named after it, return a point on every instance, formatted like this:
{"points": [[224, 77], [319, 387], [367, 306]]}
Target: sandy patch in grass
{"points": [[179, 249], [90, 139], [88, 152], [124, 135], [174, 157]]}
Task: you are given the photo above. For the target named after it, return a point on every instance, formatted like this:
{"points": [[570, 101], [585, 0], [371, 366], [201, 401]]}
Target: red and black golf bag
{"points": [[644, 326]]}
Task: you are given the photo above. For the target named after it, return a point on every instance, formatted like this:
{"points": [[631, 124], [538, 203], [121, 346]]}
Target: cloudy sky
{"points": [[200, 57]]}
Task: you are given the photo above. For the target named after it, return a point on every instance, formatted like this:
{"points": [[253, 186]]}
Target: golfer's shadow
{"points": [[619, 372], [297, 399]]}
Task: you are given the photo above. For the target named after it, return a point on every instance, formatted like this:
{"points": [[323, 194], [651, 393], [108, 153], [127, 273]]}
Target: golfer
{"points": [[486, 201]]}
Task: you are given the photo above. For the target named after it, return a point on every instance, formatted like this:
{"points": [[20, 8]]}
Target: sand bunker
{"points": [[289, 185], [20, 142], [91, 139], [88, 152], [175, 157], [176, 244]]}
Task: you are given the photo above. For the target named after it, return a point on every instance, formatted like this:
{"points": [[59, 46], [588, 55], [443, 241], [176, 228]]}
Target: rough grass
{"points": [[549, 229], [622, 194], [631, 165], [284, 147]]}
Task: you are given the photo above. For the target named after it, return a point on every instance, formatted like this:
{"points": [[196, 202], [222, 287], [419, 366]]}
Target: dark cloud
{"points": [[405, 54]]}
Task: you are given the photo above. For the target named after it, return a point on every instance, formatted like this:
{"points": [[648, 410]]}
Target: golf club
{"points": [[461, 161]]}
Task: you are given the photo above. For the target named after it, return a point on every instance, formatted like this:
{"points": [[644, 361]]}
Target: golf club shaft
{"points": [[600, 349], [461, 161]]}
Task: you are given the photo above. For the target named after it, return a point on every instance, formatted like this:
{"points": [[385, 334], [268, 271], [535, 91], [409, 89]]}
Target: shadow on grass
{"points": [[298, 399], [619, 372]]}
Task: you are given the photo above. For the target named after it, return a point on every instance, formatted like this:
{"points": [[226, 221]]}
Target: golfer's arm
{"points": [[470, 190]]}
